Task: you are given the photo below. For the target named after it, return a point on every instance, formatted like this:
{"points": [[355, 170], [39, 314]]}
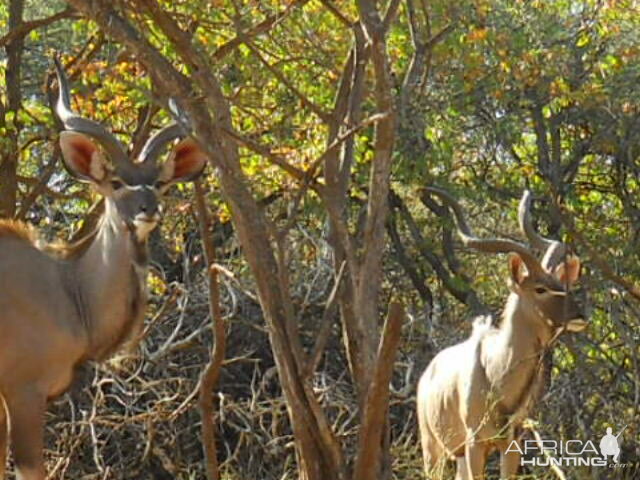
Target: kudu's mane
{"points": [[69, 251], [58, 249], [18, 230]]}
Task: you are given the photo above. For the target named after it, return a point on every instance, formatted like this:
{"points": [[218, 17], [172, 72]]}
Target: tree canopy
{"points": [[324, 120]]}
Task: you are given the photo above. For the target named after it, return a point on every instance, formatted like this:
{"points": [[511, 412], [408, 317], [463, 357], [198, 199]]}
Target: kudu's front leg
{"points": [[26, 414], [476, 458], [461, 468], [509, 461]]}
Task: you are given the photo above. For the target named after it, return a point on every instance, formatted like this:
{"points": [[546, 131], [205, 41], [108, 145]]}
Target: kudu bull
{"points": [[473, 396], [62, 306]]}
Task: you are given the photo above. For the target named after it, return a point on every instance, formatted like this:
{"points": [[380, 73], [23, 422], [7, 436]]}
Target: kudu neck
{"points": [[524, 325], [513, 357], [111, 281], [113, 229]]}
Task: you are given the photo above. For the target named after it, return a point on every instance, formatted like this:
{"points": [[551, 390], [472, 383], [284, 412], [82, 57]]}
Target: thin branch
{"points": [[266, 152], [324, 116], [325, 325], [596, 258], [407, 263], [39, 187], [554, 468], [465, 295], [25, 28], [347, 22], [261, 28], [390, 14], [299, 174], [211, 373], [439, 36]]}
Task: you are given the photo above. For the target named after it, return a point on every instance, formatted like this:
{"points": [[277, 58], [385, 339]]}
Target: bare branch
{"points": [[267, 153], [390, 14], [263, 27], [211, 373], [325, 325], [324, 116], [597, 259], [377, 400], [27, 27], [337, 13]]}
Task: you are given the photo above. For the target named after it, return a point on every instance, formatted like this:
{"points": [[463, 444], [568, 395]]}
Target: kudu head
{"points": [[543, 287], [132, 188]]}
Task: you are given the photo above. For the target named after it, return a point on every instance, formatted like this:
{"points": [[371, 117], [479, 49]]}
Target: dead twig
{"points": [[211, 373]]}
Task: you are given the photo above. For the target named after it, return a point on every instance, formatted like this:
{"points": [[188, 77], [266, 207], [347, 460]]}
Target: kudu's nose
{"points": [[151, 211], [578, 319], [150, 208]]}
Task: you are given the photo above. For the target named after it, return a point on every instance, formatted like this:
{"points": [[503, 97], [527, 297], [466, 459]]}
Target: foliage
{"points": [[514, 95]]}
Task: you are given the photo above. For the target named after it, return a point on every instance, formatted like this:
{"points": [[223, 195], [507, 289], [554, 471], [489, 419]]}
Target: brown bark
{"points": [[408, 264], [9, 113], [359, 294], [40, 186], [370, 274], [465, 294], [24, 28], [210, 375], [337, 169], [318, 451], [259, 29], [374, 421]]}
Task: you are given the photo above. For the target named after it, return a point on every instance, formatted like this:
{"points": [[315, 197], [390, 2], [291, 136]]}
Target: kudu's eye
{"points": [[540, 290], [117, 184], [159, 184]]}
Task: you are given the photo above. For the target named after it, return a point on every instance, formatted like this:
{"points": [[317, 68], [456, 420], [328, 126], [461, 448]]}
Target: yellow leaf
{"points": [[477, 34]]}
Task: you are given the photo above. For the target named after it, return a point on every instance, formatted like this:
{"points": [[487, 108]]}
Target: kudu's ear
{"points": [[186, 163], [517, 269], [568, 272], [82, 157]]}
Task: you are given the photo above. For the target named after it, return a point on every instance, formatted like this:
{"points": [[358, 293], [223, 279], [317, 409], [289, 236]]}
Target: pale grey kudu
{"points": [[63, 306], [473, 396]]}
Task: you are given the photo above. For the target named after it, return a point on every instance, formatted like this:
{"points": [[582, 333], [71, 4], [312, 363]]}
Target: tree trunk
{"points": [[318, 451], [9, 114]]}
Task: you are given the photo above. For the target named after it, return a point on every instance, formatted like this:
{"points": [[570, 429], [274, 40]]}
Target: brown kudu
{"points": [[60, 307], [474, 395]]}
